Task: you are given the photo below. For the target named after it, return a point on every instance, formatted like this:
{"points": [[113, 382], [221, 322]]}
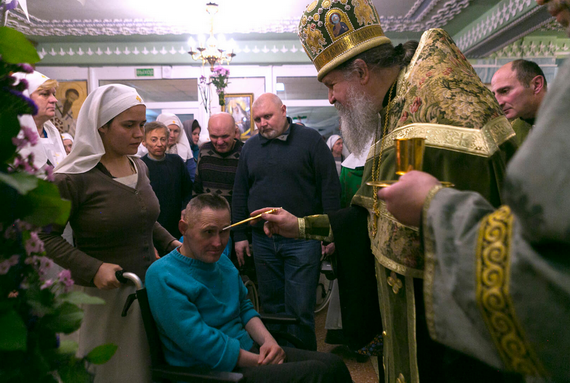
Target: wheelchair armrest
{"points": [[278, 319], [182, 374]]}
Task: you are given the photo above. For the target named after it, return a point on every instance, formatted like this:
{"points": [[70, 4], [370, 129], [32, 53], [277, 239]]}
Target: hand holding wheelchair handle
{"points": [[105, 279]]}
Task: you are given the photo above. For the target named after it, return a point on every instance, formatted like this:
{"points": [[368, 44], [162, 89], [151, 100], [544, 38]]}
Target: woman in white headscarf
{"points": [[178, 141], [49, 150], [113, 216], [339, 151], [67, 142]]}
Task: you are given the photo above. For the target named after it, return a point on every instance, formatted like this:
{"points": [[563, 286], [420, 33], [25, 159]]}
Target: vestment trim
{"points": [[493, 264], [430, 261], [484, 142]]}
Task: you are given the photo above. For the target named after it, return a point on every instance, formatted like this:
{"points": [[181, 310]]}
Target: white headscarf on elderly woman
{"points": [[345, 153], [100, 107], [49, 149], [182, 147]]}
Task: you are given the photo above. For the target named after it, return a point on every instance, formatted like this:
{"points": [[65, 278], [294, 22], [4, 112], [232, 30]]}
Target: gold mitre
{"points": [[333, 31]]}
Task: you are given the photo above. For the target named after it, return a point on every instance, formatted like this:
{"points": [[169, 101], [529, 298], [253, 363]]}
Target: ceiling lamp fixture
{"points": [[213, 51]]}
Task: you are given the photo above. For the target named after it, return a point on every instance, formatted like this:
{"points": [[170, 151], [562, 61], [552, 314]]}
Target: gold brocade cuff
{"points": [[316, 227], [301, 222], [432, 192]]}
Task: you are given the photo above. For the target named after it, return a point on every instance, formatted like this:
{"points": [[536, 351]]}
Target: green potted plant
{"points": [[34, 310]]}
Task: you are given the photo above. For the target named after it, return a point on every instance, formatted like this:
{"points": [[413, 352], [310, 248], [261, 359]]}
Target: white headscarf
{"points": [[35, 80], [100, 107], [66, 136], [332, 140], [183, 146]]}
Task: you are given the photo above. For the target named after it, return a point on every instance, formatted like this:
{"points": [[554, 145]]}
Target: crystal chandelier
{"points": [[213, 51]]}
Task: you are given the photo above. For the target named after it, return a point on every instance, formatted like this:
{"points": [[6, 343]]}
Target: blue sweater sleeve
{"points": [[181, 326]]}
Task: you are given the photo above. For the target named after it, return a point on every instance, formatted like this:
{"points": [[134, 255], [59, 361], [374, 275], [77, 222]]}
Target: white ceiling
{"points": [[176, 17]]}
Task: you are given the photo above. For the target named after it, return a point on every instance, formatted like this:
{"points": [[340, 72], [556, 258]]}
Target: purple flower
{"points": [[5, 265], [13, 260], [65, 278], [19, 142], [22, 84], [11, 5], [25, 164], [29, 101], [45, 263], [27, 68], [31, 260], [49, 173], [34, 244], [47, 284], [30, 135]]}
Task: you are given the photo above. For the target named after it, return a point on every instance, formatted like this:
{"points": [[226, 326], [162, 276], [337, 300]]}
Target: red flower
{"points": [[404, 117]]}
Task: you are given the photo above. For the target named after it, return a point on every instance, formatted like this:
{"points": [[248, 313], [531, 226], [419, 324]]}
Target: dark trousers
{"points": [[300, 366], [287, 275]]}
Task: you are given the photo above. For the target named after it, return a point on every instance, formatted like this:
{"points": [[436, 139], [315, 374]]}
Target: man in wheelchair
{"points": [[199, 303]]}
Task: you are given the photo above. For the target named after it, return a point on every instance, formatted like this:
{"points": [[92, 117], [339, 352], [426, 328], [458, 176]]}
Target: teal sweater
{"points": [[201, 311]]}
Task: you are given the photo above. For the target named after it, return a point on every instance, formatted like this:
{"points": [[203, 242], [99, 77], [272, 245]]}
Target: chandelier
{"points": [[213, 51]]}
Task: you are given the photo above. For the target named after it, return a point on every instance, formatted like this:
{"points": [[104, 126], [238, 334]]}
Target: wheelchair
{"points": [[162, 371]]}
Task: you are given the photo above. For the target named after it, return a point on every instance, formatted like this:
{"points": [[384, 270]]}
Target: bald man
{"points": [[520, 87], [284, 165], [218, 158]]}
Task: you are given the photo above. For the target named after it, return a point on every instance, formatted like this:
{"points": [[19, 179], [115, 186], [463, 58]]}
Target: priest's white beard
{"points": [[358, 122]]}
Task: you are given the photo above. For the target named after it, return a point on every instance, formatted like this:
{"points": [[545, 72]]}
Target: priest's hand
{"points": [[280, 222], [405, 199]]}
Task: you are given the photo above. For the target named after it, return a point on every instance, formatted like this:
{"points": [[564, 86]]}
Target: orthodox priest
{"points": [[496, 280], [425, 90]]}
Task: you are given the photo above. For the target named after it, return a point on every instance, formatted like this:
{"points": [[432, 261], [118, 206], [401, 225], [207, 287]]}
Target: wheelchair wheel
{"points": [[324, 290], [252, 293]]}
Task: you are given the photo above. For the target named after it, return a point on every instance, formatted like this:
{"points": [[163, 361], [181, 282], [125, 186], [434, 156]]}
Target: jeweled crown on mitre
{"points": [[333, 31]]}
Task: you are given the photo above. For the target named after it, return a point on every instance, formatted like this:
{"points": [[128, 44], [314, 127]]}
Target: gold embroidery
{"points": [[363, 12], [311, 6], [346, 43], [302, 226], [315, 39], [482, 142], [492, 292], [395, 282], [401, 379]]}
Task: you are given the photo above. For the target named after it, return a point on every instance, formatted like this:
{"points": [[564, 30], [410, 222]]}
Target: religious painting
{"points": [[239, 106], [70, 96]]}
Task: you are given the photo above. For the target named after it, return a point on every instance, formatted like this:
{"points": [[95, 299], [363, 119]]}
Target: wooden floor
{"points": [[361, 372]]}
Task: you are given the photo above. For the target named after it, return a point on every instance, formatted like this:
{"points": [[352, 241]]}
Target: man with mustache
{"points": [[497, 281], [426, 90]]}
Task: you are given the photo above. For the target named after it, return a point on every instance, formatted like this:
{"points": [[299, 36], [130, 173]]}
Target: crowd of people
{"points": [[446, 284]]}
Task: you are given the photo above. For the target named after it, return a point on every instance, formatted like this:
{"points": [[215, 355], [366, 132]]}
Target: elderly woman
{"points": [[67, 142], [113, 216], [178, 141], [50, 149], [339, 151]]}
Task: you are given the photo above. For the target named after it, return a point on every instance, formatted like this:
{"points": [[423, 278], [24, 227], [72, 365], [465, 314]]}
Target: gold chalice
{"points": [[409, 156]]}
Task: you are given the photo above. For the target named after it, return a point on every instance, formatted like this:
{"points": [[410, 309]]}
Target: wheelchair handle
{"points": [[124, 276]]}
